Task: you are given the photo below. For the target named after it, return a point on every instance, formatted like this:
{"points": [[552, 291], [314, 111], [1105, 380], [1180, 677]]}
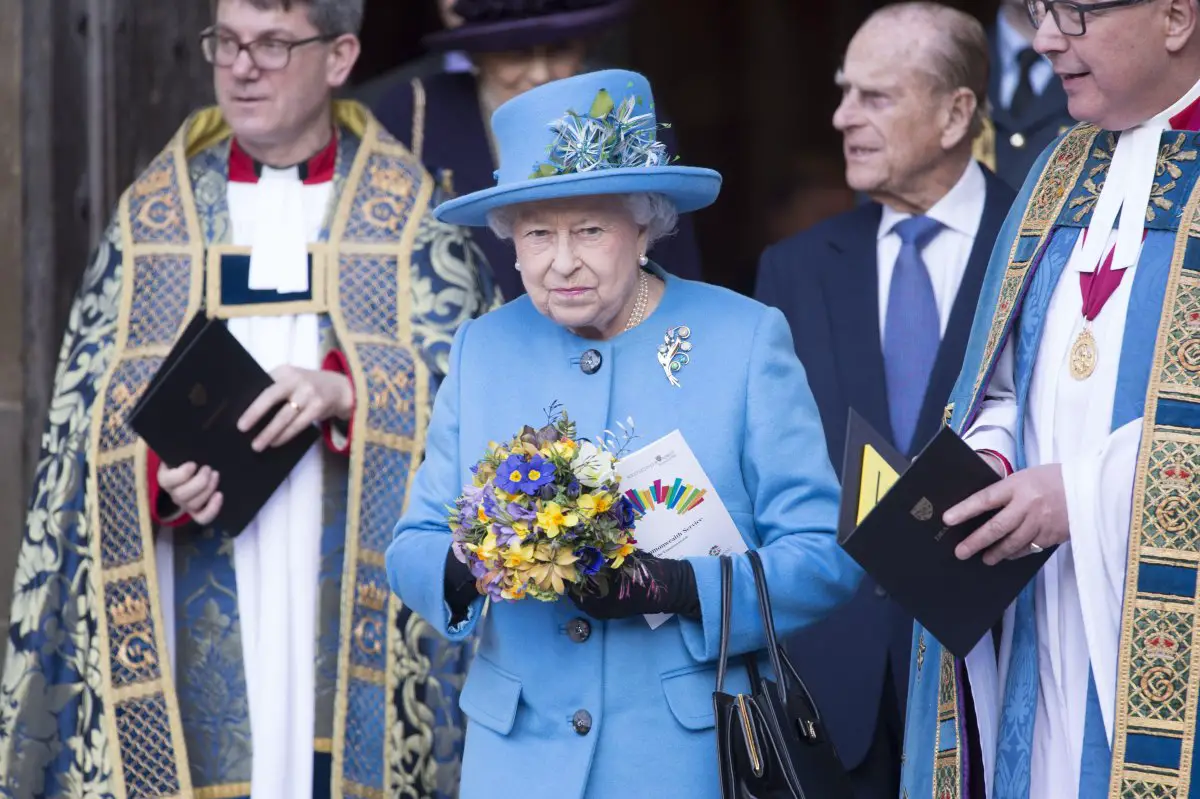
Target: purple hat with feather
{"points": [[495, 25]]}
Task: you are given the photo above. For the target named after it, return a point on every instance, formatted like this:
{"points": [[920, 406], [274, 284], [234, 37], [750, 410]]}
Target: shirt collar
{"points": [[318, 169], [1184, 113], [1009, 41], [959, 209]]}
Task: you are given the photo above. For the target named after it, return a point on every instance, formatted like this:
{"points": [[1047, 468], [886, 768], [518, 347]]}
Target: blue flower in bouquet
{"points": [[538, 472], [516, 475], [624, 513], [591, 560], [510, 474]]}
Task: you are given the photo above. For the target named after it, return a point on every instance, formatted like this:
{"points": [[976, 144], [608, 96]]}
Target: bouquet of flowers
{"points": [[543, 515]]}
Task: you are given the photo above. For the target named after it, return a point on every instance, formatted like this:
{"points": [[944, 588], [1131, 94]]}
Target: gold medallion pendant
{"points": [[1084, 355]]}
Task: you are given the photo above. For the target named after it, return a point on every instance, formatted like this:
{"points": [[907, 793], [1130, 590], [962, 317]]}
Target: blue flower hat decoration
{"points": [[595, 133]]}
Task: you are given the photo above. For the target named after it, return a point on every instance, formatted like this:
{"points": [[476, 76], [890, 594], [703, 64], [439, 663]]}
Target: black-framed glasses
{"points": [[222, 49], [1070, 16]]}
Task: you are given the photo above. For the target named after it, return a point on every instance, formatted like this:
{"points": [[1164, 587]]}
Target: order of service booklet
{"points": [[678, 512]]}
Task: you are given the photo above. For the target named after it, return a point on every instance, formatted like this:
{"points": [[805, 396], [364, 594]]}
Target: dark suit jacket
{"points": [[825, 281], [1019, 140], [456, 149]]}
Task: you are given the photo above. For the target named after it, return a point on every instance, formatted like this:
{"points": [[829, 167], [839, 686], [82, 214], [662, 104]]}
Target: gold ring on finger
{"points": [[295, 405]]}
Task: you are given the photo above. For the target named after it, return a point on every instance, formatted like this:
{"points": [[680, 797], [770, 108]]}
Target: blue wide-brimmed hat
{"points": [[595, 133]]}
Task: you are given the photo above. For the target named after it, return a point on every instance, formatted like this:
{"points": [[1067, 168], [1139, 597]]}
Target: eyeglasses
{"points": [[1068, 15], [222, 49]]}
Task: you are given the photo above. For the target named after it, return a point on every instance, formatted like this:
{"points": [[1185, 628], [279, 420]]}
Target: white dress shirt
{"points": [[946, 255], [1069, 422], [1009, 44]]}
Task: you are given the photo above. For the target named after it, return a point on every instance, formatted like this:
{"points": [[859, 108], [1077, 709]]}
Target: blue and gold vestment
{"points": [[91, 703]]}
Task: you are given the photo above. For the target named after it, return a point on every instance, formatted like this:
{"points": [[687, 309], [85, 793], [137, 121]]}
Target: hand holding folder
{"points": [[190, 410], [891, 524]]}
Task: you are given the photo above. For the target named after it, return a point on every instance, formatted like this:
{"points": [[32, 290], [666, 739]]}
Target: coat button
{"points": [[590, 362], [879, 592], [579, 630], [582, 722], [1017, 140]]}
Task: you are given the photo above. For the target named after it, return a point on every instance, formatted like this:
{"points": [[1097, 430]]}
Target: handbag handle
{"points": [[726, 613], [780, 662], [768, 620]]}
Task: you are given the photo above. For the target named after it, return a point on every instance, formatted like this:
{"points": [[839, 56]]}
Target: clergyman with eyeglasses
{"points": [[1081, 386], [152, 653]]}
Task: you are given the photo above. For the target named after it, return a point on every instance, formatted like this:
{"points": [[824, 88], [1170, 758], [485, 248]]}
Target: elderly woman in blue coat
{"points": [[581, 697]]}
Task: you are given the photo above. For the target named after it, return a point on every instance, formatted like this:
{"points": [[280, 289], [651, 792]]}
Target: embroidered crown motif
{"points": [[1177, 475], [372, 596], [131, 610], [1162, 645], [1192, 320]]}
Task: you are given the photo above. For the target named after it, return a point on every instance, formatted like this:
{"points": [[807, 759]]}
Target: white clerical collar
{"points": [[1127, 186]]}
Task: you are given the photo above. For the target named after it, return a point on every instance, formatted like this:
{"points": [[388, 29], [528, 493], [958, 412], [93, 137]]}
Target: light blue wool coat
{"points": [[745, 409]]}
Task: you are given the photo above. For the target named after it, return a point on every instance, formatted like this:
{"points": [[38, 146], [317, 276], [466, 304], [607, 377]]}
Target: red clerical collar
{"points": [[1188, 118], [318, 169]]}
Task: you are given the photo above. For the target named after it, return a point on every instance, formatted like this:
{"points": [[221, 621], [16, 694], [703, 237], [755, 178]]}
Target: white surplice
{"points": [[277, 557]]}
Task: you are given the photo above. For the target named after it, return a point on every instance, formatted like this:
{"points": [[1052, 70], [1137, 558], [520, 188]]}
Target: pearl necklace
{"points": [[639, 304]]}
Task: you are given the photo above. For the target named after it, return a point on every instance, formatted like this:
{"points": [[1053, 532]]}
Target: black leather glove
{"points": [[662, 586], [459, 589]]}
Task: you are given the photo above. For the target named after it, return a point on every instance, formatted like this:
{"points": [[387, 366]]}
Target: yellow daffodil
{"points": [[591, 504], [483, 517], [565, 448], [486, 549], [555, 568], [619, 556], [552, 519], [516, 555]]}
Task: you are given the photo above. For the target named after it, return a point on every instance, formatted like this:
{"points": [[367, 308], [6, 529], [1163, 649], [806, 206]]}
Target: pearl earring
{"points": [[643, 260], [517, 265]]}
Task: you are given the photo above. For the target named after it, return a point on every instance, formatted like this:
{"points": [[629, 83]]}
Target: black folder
{"points": [[189, 412], [904, 546]]}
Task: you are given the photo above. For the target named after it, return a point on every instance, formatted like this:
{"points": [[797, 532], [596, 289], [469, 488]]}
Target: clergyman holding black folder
{"points": [[261, 653], [1083, 374]]}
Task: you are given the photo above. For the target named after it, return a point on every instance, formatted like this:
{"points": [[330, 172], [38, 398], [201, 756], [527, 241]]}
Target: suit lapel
{"points": [[954, 343], [851, 285]]}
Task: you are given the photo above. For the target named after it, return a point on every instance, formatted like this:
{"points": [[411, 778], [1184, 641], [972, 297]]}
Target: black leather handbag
{"points": [[771, 743]]}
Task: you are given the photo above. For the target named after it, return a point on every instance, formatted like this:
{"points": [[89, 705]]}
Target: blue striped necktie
{"points": [[913, 330]]}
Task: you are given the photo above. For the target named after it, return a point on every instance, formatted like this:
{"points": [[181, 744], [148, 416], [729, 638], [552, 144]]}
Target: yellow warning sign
{"points": [[877, 477]]}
